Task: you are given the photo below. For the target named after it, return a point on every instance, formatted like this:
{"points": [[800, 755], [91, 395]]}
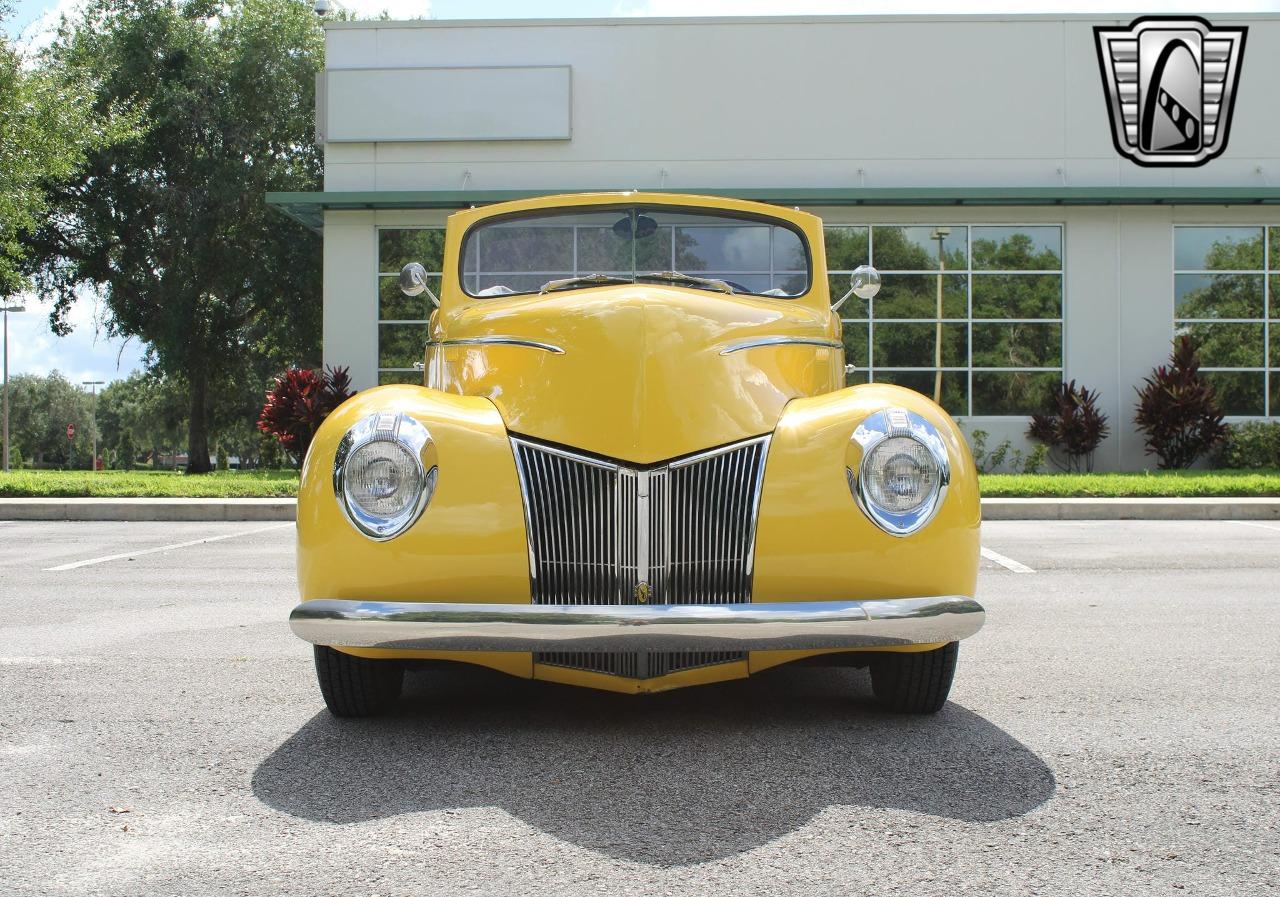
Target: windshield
{"points": [[589, 247]]}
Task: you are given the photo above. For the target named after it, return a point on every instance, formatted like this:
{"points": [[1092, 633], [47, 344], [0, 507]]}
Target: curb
{"points": [[1131, 509], [148, 509], [248, 509]]}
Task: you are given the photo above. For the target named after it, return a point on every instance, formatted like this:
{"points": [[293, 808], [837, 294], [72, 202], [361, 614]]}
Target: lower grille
{"points": [[637, 664], [603, 533]]}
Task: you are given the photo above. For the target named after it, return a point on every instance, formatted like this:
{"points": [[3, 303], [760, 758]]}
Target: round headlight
{"points": [[382, 479], [384, 474], [902, 470], [901, 474]]}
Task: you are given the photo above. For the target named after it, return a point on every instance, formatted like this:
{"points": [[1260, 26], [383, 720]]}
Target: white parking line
{"points": [[133, 554], [1008, 563], [1269, 526]]}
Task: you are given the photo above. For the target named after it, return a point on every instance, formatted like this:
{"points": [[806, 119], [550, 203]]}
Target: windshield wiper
{"points": [[679, 277], [585, 280]]}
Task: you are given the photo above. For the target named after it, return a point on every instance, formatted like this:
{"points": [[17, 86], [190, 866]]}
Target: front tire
{"points": [[916, 682], [356, 686]]}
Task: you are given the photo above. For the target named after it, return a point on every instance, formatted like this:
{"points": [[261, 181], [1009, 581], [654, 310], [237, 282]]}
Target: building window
{"points": [[972, 311], [402, 321], [1224, 281]]}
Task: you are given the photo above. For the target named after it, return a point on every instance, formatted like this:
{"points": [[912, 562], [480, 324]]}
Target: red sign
{"points": [[71, 431]]}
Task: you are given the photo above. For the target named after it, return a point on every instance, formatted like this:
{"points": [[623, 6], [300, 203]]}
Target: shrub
{"points": [[223, 459], [297, 404], [1073, 427], [991, 461], [1178, 410], [1255, 445], [126, 451]]}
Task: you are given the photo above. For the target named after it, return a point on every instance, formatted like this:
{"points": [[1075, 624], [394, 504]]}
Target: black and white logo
{"points": [[1171, 83]]}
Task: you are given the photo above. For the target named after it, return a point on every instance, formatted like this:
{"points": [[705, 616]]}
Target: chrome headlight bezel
{"points": [[875, 429], [409, 434]]}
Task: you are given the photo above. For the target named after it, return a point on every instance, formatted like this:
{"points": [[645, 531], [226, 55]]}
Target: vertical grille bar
{"points": [[584, 526]]}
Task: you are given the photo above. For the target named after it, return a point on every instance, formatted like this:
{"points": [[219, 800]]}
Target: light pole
{"points": [[93, 387], [7, 309], [939, 234]]}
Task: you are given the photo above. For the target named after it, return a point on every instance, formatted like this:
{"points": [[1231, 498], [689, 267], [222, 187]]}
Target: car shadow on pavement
{"points": [[671, 779]]}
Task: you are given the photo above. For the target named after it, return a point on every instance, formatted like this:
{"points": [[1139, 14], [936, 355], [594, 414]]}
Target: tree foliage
{"points": [[172, 226], [40, 409], [47, 126]]}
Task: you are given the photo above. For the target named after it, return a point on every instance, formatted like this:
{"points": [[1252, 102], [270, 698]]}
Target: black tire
{"points": [[355, 686], [918, 682]]}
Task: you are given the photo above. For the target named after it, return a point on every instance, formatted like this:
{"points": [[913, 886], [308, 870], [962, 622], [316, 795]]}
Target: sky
{"points": [[88, 354]]}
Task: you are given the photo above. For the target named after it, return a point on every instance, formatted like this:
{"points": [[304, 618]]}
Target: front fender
{"points": [[470, 543], [814, 544]]}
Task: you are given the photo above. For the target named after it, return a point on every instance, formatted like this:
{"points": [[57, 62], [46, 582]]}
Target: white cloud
{"points": [[396, 9], [40, 33], [87, 353], [1122, 8]]}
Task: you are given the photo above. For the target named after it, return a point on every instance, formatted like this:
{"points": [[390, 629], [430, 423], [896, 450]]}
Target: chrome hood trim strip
{"points": [[780, 341]]}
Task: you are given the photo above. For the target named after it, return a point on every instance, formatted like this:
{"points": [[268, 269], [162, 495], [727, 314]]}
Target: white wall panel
{"points": [[431, 104]]}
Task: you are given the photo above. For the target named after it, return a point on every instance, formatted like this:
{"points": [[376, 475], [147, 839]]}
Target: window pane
{"points": [[916, 296], [1014, 392], [1217, 248], [516, 283], [855, 344], [788, 251], [394, 305], [1227, 345], [1275, 394], [915, 248], [1017, 248], [846, 248], [397, 248], [1275, 347], [1275, 284], [793, 283], [1017, 295], [604, 249], [955, 386], [1017, 345], [1239, 392], [385, 377], [516, 247], [400, 345], [915, 345], [740, 247], [854, 307], [1217, 295], [856, 378]]}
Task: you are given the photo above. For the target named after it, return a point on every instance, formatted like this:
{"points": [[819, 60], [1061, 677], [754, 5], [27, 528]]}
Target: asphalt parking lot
{"points": [[1113, 731]]}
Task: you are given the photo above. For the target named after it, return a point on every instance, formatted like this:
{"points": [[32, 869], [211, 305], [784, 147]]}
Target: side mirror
{"points": [[413, 282], [863, 283]]}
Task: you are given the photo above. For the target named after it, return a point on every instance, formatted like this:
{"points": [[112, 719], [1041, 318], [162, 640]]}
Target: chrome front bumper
{"points": [[798, 625]]}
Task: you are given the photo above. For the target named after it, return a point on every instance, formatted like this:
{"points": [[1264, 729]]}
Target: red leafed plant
{"points": [[1073, 427], [1178, 410], [298, 402]]}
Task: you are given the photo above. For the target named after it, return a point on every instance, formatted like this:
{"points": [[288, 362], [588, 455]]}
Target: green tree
{"points": [[172, 226], [47, 126], [40, 409]]}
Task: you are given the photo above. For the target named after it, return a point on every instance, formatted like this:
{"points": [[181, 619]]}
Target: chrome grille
{"points": [[637, 664], [603, 533]]}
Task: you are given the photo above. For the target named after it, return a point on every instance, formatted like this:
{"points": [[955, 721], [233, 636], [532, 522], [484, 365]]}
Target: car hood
{"points": [[637, 373]]}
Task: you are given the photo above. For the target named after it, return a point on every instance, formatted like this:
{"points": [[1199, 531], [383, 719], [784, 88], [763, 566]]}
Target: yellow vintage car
{"points": [[633, 465]]}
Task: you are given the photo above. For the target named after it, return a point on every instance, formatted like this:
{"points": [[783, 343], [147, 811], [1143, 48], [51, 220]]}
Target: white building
{"points": [[985, 126]]}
